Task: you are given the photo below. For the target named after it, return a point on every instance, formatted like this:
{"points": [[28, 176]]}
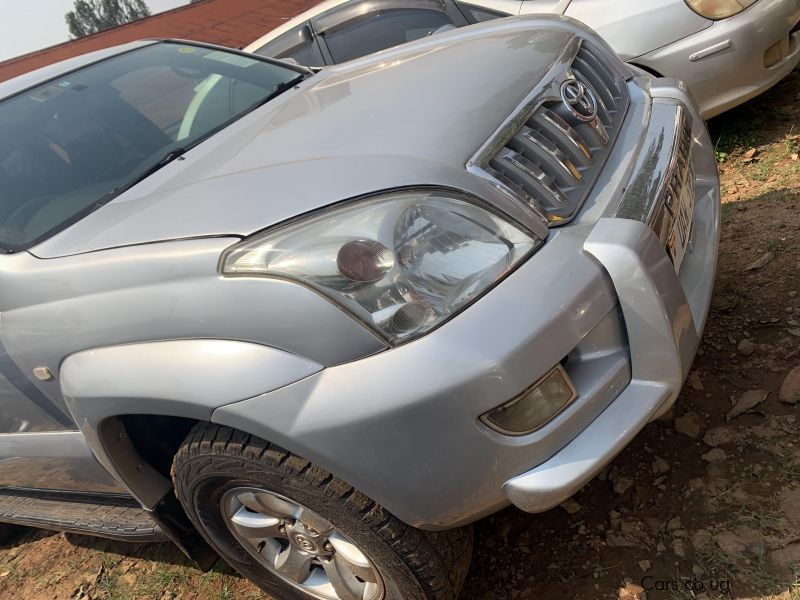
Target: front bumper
{"points": [[664, 315], [600, 296], [723, 65]]}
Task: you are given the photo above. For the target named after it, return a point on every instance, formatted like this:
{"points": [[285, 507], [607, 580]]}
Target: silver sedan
{"points": [[725, 51]]}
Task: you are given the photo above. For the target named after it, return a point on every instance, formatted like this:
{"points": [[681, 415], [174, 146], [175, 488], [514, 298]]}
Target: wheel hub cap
{"points": [[299, 546]]}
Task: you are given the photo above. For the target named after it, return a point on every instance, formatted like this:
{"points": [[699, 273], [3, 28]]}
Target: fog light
{"points": [[535, 407], [776, 53]]}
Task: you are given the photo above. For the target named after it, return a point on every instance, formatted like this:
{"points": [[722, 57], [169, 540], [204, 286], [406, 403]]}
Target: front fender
{"points": [[180, 378]]}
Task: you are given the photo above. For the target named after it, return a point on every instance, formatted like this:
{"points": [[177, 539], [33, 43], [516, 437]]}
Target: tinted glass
{"points": [[377, 31], [70, 144], [477, 14], [296, 43]]}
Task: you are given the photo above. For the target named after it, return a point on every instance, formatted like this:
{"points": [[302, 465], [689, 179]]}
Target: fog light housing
{"points": [[776, 53], [535, 407]]}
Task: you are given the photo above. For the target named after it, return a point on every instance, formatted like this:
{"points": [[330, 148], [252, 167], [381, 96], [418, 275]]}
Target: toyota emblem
{"points": [[579, 100]]}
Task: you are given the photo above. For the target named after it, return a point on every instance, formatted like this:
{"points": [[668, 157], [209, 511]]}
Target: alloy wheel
{"points": [[299, 546]]}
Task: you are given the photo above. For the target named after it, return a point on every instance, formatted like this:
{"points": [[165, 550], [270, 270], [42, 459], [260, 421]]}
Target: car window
{"points": [[297, 43], [71, 144], [478, 14], [380, 30]]}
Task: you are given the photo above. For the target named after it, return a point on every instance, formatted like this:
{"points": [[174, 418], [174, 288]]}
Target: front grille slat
{"points": [[528, 175], [614, 83], [550, 121], [536, 147], [555, 153], [605, 99]]}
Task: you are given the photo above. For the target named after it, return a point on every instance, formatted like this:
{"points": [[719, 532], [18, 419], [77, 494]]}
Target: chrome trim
{"points": [[565, 128], [576, 95], [557, 155], [531, 170], [585, 73], [600, 130], [571, 152], [543, 91]]}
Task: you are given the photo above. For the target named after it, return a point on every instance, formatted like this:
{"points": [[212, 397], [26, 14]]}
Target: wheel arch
{"points": [[155, 390]]}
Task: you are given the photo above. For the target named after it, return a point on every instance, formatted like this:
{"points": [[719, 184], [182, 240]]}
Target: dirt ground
{"points": [[704, 504]]}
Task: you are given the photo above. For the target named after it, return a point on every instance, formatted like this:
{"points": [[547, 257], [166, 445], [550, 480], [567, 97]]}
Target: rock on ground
{"points": [[695, 382], [746, 347], [571, 506], [790, 390], [690, 424], [747, 401], [631, 591], [720, 436], [715, 455], [659, 466]]}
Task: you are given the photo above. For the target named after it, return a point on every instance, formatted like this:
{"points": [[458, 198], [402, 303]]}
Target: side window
{"points": [[379, 30], [297, 43], [478, 14]]}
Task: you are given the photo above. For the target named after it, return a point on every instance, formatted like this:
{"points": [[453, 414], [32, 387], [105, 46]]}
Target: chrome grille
{"points": [[550, 158]]}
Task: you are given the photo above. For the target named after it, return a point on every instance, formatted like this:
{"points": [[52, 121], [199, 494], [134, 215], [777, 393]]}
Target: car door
{"points": [[359, 28]]}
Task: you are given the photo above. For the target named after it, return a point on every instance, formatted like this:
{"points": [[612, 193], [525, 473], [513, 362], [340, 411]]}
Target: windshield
{"points": [[73, 143]]}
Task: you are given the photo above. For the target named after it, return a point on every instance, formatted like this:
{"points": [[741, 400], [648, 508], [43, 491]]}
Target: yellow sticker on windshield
{"points": [[186, 50]]}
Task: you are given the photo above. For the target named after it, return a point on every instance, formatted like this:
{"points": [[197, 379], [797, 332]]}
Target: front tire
{"points": [[300, 533]]}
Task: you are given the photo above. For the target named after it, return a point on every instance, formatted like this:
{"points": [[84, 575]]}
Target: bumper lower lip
{"points": [[664, 315], [554, 481]]}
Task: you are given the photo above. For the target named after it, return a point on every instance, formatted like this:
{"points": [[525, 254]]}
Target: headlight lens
{"points": [[718, 9], [403, 262]]}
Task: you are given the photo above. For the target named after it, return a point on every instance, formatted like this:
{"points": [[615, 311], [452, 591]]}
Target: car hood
{"points": [[412, 115]]}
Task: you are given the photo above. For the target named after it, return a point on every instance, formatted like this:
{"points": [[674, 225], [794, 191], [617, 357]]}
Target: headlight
{"points": [[403, 262], [718, 9]]}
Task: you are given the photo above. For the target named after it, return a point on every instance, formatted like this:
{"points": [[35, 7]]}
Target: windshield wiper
{"points": [[168, 157], [279, 89]]}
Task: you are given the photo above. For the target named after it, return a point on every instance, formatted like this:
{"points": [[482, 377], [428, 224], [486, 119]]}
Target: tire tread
{"points": [[439, 560]]}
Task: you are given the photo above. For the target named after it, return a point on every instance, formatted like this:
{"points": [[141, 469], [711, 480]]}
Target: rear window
{"points": [[71, 144], [378, 31]]}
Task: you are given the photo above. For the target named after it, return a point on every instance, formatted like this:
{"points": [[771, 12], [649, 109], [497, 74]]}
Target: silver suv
{"points": [[318, 323]]}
